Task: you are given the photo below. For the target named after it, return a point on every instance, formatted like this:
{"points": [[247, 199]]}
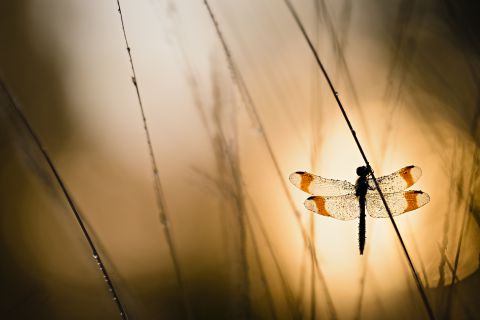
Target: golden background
{"points": [[407, 72]]}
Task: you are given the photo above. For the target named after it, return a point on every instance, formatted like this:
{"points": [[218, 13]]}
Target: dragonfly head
{"points": [[362, 171]]}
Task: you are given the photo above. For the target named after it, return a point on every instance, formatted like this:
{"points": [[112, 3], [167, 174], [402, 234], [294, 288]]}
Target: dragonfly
{"points": [[343, 200]]}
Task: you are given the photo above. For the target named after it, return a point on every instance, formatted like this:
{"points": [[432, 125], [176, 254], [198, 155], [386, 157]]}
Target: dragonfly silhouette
{"points": [[344, 201]]}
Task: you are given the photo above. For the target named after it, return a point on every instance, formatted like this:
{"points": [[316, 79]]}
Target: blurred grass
{"points": [[421, 79]]}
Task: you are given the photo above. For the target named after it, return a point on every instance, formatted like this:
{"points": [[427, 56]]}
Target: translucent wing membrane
{"points": [[317, 185], [397, 181], [344, 207], [398, 203]]}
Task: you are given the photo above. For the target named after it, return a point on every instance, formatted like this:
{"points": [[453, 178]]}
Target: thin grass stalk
{"points": [[299, 304], [464, 228], [241, 216], [288, 293], [191, 77], [346, 18], [244, 92], [315, 146], [464, 306], [313, 298], [360, 148], [228, 155], [446, 224], [403, 22], [225, 189], [411, 290], [192, 81], [473, 174], [263, 277], [417, 251], [442, 252], [394, 92], [363, 280], [76, 212], [328, 299], [158, 189], [219, 144], [342, 61], [378, 302], [223, 184]]}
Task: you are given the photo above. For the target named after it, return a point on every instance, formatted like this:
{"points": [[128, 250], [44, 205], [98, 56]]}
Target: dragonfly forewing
{"points": [[397, 181], [317, 185]]}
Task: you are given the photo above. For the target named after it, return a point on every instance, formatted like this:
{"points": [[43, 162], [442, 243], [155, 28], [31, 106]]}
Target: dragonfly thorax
{"points": [[361, 185]]}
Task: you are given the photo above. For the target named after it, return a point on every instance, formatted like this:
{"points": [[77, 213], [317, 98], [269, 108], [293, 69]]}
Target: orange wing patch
{"points": [[406, 174], [320, 204], [307, 179], [412, 200], [317, 204]]}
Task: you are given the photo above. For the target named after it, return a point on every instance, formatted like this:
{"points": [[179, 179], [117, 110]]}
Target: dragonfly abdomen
{"points": [[361, 188], [361, 226]]}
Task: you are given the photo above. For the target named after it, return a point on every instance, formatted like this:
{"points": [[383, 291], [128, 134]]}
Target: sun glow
{"points": [[336, 241]]}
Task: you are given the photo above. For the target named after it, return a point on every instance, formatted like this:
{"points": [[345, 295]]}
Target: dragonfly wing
{"points": [[317, 185], [397, 181], [398, 203], [344, 207]]}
